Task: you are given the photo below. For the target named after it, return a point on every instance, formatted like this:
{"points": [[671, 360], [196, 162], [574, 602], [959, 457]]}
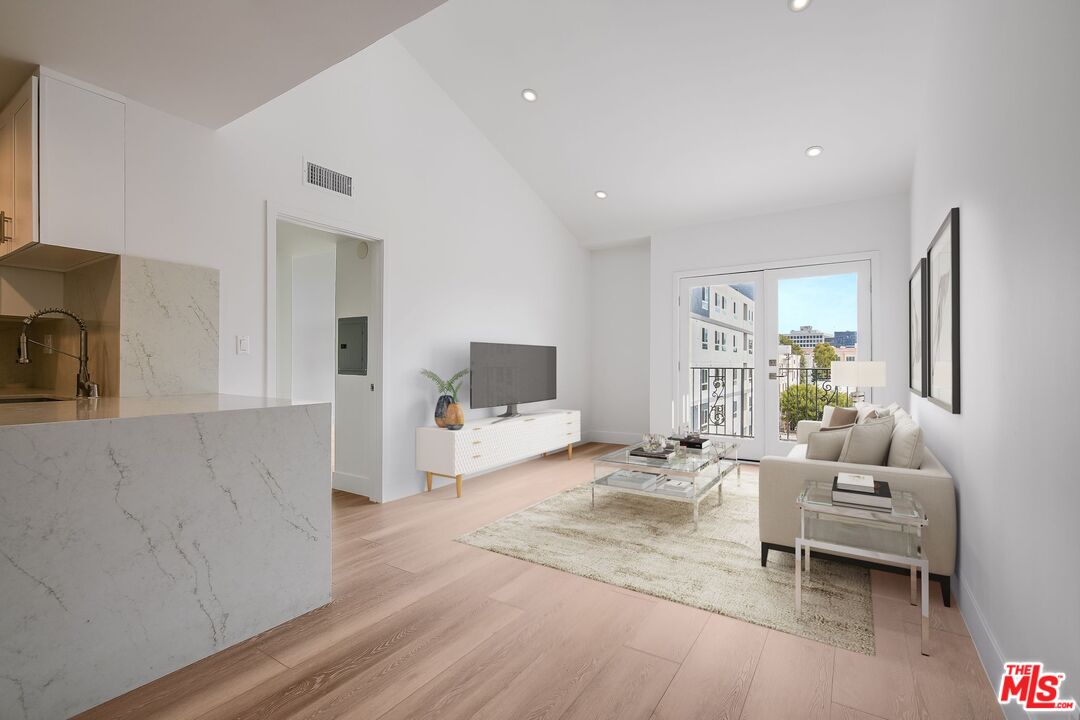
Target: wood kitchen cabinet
{"points": [[62, 168], [18, 170]]}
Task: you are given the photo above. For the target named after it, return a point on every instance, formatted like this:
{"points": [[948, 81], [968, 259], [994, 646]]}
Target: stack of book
{"points": [[633, 480], [693, 442], [676, 487], [659, 454], [861, 491]]}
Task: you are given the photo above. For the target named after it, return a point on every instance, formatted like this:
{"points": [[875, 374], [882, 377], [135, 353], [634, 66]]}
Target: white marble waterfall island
{"points": [[138, 535]]}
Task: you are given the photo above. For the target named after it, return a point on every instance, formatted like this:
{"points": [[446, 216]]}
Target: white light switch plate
{"points": [[243, 344]]}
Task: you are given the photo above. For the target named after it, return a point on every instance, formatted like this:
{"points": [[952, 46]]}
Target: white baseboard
{"points": [[610, 436], [355, 484], [986, 645]]}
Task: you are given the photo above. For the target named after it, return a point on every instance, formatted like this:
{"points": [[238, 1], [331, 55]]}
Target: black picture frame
{"points": [[943, 315], [918, 332]]}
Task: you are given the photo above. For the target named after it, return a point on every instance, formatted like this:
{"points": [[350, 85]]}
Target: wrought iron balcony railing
{"points": [[723, 399]]}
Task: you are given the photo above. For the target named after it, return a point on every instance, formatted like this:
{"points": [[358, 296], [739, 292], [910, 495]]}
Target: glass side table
{"points": [[893, 537]]}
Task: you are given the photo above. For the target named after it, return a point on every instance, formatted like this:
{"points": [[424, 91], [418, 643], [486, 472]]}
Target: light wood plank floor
{"points": [[423, 627]]}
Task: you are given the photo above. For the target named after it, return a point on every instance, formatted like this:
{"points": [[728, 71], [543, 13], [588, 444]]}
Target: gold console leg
{"points": [[570, 451], [458, 480], [429, 482]]}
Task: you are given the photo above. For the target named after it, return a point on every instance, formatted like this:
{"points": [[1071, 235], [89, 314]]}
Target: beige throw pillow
{"points": [[826, 445], [868, 443], [865, 411], [906, 448], [838, 416]]}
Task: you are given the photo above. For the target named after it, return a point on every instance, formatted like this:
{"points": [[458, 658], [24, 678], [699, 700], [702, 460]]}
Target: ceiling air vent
{"points": [[332, 180]]}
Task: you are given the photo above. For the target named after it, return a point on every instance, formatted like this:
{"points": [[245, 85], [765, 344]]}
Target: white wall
{"points": [[354, 409], [1000, 141], [879, 224], [313, 328], [471, 252], [619, 313]]}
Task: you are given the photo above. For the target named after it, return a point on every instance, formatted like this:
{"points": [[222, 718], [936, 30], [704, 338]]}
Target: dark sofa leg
{"points": [[946, 591], [765, 556]]}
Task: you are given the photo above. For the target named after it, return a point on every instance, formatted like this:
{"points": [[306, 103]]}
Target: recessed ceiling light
{"points": [[798, 5], [529, 95], [601, 194], [813, 151]]}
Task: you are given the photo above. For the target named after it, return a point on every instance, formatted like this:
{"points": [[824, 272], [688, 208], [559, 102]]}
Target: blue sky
{"points": [[829, 303]]}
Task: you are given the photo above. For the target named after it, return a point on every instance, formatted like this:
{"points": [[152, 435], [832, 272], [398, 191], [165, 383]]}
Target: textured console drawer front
{"points": [[470, 462], [505, 442], [469, 439]]}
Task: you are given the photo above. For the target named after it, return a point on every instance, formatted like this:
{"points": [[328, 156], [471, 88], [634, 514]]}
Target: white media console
{"points": [[492, 442]]}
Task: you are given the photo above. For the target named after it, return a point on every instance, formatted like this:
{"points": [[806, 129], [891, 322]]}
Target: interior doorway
{"points": [[325, 341], [756, 349]]}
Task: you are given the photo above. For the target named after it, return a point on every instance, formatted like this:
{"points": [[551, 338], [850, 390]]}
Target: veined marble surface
{"points": [[131, 547], [70, 410], [168, 328]]}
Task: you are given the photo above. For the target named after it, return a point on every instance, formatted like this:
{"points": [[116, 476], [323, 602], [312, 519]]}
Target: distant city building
{"points": [[808, 338], [846, 354], [844, 338]]}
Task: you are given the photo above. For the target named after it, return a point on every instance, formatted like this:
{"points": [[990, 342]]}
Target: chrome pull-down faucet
{"points": [[83, 387]]}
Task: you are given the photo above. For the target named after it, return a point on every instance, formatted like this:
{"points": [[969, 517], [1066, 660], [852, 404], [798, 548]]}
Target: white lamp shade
{"points": [[861, 373]]}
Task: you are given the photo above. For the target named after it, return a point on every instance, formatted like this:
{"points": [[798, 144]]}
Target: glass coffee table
{"points": [[893, 537], [702, 469]]}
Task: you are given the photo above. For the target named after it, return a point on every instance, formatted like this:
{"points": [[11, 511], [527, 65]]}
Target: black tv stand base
{"points": [[511, 412]]}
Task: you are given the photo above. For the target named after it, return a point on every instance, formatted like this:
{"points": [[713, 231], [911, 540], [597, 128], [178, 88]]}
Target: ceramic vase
{"points": [[441, 405], [455, 417]]}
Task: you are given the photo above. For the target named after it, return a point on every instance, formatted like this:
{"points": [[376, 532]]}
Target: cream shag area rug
{"points": [[650, 545]]}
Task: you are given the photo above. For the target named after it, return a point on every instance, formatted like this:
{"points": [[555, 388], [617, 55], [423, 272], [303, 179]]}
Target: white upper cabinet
{"points": [[62, 167], [81, 168]]}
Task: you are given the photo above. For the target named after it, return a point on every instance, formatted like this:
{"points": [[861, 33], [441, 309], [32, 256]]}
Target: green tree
{"points": [[824, 355], [807, 400]]}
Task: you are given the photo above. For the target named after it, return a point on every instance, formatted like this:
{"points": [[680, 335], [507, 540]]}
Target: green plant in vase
{"points": [[448, 413]]}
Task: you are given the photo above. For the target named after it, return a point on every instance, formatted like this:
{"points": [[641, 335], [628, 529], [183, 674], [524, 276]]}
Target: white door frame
{"points": [[873, 256], [773, 444], [753, 447], [377, 325]]}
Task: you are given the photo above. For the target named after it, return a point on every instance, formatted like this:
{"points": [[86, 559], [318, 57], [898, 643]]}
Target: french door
{"points": [[756, 349]]}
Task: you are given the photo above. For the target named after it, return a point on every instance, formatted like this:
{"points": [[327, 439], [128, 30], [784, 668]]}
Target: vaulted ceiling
{"points": [[209, 61], [686, 111]]}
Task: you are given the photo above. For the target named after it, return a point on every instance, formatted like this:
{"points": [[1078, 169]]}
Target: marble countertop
{"points": [[109, 408]]}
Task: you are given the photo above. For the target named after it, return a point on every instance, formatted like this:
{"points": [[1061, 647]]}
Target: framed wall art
{"points": [[917, 330], [943, 315]]}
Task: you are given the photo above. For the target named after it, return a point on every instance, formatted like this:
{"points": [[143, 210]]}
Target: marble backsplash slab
{"points": [[169, 315]]}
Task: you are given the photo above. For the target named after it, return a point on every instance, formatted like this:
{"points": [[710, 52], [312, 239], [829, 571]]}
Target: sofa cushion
{"points": [[798, 452], [868, 443], [867, 411], [906, 447], [838, 416], [826, 445]]}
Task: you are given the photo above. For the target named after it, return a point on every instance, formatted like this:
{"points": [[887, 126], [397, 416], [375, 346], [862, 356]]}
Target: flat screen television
{"points": [[509, 375]]}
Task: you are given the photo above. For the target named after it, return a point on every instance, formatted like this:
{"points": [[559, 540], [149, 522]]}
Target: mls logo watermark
{"points": [[1031, 688]]}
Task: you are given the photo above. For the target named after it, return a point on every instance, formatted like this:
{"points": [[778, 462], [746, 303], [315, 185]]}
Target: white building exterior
{"points": [[722, 351], [807, 337]]}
